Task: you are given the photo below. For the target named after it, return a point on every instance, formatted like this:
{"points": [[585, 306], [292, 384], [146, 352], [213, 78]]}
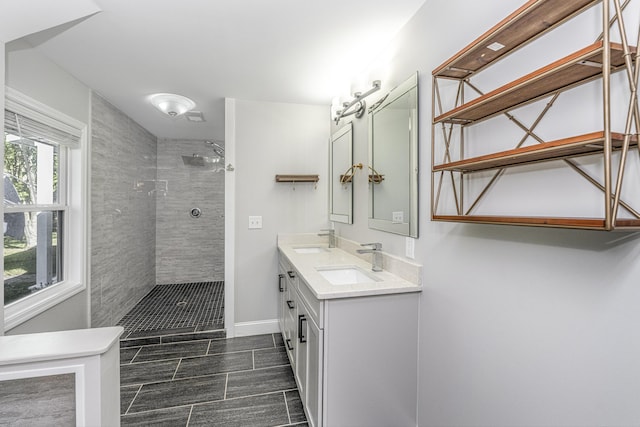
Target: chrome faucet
{"points": [[332, 236], [376, 255]]}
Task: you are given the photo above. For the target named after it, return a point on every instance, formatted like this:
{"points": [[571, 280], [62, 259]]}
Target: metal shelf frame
{"points": [[597, 61]]}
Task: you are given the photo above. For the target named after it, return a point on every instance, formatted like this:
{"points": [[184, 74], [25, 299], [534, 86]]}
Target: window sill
{"points": [[27, 308]]}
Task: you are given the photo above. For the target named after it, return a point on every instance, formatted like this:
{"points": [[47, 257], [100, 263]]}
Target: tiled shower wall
{"points": [[123, 213], [189, 249]]}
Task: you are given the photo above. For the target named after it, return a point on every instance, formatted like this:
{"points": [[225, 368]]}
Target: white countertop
{"points": [[307, 264], [57, 345]]}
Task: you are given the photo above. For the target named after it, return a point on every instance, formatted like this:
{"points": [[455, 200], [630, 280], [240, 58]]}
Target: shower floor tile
{"points": [[187, 307]]}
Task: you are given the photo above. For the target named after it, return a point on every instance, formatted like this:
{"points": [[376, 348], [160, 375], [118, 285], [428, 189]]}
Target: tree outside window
{"points": [[33, 218]]}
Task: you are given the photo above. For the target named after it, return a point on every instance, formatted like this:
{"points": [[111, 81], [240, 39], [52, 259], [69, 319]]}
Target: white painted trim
{"points": [[91, 354], [44, 369], [77, 244], [2, 103], [229, 216], [36, 110], [86, 195], [260, 327]]}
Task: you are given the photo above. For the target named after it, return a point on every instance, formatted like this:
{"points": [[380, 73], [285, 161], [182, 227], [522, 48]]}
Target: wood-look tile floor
{"points": [[182, 378]]}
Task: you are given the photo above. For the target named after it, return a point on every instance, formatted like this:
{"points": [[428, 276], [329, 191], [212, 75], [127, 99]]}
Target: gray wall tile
{"points": [[40, 401], [123, 220], [187, 249]]}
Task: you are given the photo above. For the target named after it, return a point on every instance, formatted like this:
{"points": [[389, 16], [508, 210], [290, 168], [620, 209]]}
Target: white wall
{"points": [[34, 75], [274, 138], [70, 314], [518, 326]]}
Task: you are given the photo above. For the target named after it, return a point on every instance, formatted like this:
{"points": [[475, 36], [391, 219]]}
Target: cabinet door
{"points": [[309, 365], [315, 345], [301, 336], [290, 325]]}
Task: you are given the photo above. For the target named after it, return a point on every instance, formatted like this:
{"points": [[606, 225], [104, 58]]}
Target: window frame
{"points": [[74, 167]]}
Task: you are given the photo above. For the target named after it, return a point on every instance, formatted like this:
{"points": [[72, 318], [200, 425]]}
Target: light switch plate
{"points": [[255, 222], [410, 247]]}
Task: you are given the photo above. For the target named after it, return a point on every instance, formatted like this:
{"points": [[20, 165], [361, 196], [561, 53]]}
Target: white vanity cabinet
{"points": [[354, 358]]}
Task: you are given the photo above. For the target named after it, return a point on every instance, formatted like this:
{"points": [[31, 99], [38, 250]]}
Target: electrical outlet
{"points": [[397, 217], [410, 247], [255, 222]]}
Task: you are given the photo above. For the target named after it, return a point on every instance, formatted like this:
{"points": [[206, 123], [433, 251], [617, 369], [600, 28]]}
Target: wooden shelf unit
{"points": [[530, 21]]}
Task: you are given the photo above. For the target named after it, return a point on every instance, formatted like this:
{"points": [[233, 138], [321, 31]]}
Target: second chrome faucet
{"points": [[332, 236], [376, 255]]}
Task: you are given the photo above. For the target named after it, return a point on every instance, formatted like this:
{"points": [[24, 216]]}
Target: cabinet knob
{"points": [[290, 304], [292, 274], [289, 346]]}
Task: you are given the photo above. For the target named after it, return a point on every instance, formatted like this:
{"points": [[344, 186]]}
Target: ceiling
{"points": [[264, 50]]}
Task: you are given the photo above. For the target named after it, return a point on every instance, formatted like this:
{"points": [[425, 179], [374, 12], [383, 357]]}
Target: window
{"points": [[40, 235]]}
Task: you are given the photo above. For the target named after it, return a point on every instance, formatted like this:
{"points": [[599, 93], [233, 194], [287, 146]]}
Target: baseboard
{"points": [[244, 329]]}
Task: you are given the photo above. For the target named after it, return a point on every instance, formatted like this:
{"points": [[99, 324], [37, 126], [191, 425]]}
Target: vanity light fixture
{"points": [[171, 104], [357, 106]]}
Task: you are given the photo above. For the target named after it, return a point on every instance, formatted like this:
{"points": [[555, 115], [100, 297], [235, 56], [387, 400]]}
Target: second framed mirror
{"points": [[393, 160], [341, 186]]}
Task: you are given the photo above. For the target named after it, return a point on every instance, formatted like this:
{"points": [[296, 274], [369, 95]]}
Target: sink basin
{"points": [[346, 275], [309, 250]]}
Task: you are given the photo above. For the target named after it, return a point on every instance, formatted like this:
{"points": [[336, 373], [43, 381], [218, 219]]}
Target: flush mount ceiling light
{"points": [[171, 104]]}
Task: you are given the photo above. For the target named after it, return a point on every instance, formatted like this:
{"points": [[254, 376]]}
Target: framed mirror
{"points": [[393, 161], [341, 186]]}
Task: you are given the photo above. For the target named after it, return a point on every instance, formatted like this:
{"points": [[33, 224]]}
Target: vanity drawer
{"points": [[315, 305]]}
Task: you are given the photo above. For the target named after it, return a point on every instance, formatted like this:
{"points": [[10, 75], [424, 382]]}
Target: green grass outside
{"points": [[17, 259], [19, 263]]}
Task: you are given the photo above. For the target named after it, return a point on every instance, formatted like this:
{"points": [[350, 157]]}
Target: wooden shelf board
{"points": [[557, 222], [569, 71], [627, 224], [582, 145], [297, 178], [533, 19]]}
